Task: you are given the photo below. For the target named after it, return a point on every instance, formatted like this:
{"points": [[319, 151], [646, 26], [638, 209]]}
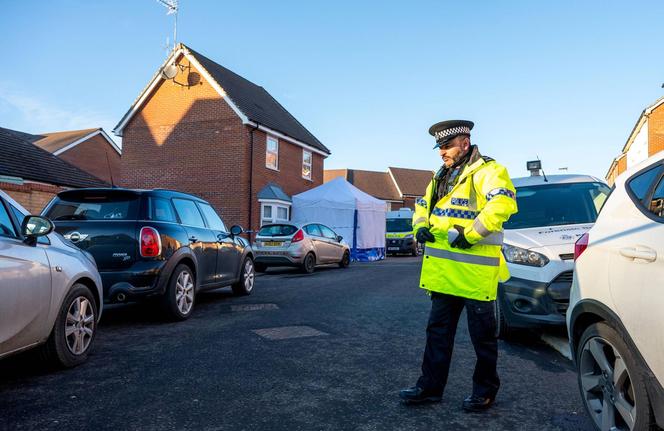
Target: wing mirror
{"points": [[339, 238], [35, 226], [236, 230]]}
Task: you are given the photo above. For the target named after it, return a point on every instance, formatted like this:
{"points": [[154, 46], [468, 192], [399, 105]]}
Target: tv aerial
{"points": [[172, 6]]}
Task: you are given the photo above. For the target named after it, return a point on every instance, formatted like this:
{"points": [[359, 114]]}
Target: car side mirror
{"points": [[339, 238], [35, 226], [236, 230]]}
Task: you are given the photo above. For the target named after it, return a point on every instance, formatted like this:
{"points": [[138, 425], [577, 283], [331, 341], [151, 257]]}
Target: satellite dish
{"points": [[169, 71]]}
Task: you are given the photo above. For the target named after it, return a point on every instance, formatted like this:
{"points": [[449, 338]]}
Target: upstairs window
{"points": [[272, 153], [306, 164]]}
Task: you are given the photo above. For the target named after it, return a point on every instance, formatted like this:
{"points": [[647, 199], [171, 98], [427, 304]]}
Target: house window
{"points": [[274, 213], [272, 153], [306, 164]]}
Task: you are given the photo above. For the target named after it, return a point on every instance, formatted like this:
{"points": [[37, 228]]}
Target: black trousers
{"points": [[441, 329]]}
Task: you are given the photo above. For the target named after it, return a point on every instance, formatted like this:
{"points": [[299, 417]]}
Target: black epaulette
{"points": [[487, 159]]}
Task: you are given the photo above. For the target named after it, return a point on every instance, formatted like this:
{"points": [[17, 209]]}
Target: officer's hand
{"points": [[460, 241], [423, 235]]}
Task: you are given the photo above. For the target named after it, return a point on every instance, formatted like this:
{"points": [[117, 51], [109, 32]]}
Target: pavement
{"points": [[326, 351]]}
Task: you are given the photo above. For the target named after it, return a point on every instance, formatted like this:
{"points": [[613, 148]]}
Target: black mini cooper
{"points": [[157, 243]]}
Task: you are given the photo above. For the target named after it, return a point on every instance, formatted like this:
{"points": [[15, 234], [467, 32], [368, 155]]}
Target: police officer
{"points": [[460, 219]]}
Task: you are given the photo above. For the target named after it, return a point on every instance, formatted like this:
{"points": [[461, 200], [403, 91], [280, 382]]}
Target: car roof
{"points": [[296, 224], [554, 179], [18, 206], [148, 192]]}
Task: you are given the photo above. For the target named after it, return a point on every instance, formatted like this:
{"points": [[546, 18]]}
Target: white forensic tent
{"points": [[358, 217]]}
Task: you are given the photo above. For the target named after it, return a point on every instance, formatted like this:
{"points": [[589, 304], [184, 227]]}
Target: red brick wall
{"points": [[90, 156], [32, 196], [189, 139], [656, 131]]}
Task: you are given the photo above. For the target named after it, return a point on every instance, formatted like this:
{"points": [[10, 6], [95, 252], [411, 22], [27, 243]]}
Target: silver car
{"points": [[50, 291], [299, 244]]}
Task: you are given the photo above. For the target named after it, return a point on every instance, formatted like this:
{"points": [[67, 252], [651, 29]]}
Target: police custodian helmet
{"points": [[450, 129]]}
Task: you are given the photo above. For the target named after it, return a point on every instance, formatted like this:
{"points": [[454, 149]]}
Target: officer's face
{"points": [[453, 150]]}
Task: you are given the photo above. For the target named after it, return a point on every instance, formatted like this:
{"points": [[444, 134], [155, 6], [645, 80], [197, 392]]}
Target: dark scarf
{"points": [[447, 177]]}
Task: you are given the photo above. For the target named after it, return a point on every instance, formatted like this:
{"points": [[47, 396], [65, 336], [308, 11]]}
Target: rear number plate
{"points": [[392, 248], [272, 244]]}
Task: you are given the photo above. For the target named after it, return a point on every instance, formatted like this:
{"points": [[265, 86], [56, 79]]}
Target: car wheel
{"points": [[178, 300], [245, 285], [345, 261], [259, 267], [503, 329], [74, 330], [610, 380], [309, 263]]}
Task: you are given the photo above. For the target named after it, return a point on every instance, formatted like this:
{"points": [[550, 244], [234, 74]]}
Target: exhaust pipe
{"points": [[121, 297]]}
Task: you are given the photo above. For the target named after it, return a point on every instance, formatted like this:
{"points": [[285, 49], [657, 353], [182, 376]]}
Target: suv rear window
{"points": [[94, 205], [558, 204], [277, 230]]}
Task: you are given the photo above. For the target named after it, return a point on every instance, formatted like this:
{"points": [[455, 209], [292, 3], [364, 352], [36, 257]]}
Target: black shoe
{"points": [[417, 395], [474, 403]]}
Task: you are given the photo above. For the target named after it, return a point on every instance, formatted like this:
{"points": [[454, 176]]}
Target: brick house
{"points": [[91, 150], [32, 175], [646, 139], [399, 187], [200, 128]]}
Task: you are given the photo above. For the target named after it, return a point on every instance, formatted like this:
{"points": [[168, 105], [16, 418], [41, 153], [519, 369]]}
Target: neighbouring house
{"points": [[32, 175], [398, 187], [197, 127], [91, 150], [646, 139]]}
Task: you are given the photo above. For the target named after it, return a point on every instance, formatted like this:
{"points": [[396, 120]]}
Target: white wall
{"points": [[638, 151]]}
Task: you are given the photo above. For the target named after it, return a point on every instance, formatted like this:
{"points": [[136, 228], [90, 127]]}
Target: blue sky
{"points": [[563, 80]]}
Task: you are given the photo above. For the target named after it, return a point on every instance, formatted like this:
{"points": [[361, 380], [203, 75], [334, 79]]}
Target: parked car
{"points": [[615, 324], [399, 236], [305, 245], [158, 244], [554, 211], [50, 291]]}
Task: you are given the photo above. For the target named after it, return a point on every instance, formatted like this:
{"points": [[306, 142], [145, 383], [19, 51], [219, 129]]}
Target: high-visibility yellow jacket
{"points": [[481, 201]]}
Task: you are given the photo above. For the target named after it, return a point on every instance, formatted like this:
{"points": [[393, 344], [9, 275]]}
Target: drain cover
{"points": [[286, 332]]}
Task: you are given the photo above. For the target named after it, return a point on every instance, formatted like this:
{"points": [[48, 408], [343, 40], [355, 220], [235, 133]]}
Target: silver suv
{"points": [[299, 244], [50, 291]]}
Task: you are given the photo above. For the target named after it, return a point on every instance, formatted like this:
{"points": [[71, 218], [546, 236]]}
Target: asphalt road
{"points": [[352, 338]]}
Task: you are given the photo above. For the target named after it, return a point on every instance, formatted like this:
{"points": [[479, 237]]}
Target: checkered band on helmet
{"points": [[460, 130]]}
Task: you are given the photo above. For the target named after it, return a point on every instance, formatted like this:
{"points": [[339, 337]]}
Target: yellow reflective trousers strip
{"points": [[462, 257]]}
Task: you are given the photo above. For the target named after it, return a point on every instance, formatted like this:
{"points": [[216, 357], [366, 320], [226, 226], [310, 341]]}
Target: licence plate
{"points": [[392, 248], [272, 243]]}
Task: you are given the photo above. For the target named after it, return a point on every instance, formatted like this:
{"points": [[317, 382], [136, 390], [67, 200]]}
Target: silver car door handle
{"points": [[644, 253]]}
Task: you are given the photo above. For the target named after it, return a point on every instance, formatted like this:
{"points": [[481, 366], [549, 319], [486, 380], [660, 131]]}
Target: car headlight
{"points": [[522, 256]]}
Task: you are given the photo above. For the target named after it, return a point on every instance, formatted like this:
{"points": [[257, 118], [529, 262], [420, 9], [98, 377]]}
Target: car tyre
{"points": [[78, 317], [260, 267], [245, 284], [345, 260], [179, 298], [601, 354], [309, 263]]}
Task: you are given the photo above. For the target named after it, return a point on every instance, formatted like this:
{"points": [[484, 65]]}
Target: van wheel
{"points": [[345, 261], [611, 382], [503, 329], [178, 300], [74, 330], [309, 263], [245, 285]]}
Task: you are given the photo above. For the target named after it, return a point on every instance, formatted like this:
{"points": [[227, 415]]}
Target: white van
{"points": [[554, 211], [399, 238]]}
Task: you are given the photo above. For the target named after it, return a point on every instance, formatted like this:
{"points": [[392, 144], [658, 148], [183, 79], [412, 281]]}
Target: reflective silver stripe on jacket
{"points": [[489, 238], [462, 257], [419, 220]]}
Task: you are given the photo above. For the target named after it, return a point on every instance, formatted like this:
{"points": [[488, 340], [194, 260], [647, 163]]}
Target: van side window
{"points": [[6, 226], [162, 210], [188, 212]]}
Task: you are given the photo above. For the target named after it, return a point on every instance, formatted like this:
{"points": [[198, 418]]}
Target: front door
{"points": [[334, 249], [229, 252]]}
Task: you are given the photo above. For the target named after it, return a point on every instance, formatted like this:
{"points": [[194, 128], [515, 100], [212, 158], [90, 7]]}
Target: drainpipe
{"points": [[251, 179]]}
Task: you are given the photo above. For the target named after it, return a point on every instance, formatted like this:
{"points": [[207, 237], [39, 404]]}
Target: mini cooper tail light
{"points": [[150, 242], [581, 245], [299, 236]]}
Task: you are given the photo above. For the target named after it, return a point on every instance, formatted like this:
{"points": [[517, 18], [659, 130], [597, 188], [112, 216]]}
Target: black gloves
{"points": [[423, 235], [460, 241]]}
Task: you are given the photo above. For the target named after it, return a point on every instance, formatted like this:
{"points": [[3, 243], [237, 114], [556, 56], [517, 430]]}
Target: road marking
{"points": [[254, 307], [560, 344], [286, 332]]}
